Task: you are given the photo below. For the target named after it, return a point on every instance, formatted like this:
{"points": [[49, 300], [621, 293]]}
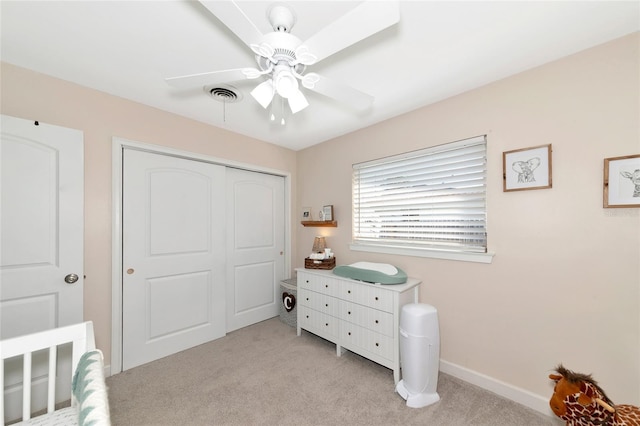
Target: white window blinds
{"points": [[431, 199]]}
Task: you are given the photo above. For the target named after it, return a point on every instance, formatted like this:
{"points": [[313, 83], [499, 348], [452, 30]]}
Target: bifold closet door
{"points": [[173, 277]]}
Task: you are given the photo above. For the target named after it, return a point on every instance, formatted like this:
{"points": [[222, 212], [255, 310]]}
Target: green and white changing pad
{"points": [[378, 273]]}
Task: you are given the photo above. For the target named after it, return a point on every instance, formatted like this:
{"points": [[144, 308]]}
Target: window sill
{"points": [[434, 254]]}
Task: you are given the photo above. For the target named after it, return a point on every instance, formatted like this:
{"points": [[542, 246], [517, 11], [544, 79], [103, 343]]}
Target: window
{"points": [[430, 202]]}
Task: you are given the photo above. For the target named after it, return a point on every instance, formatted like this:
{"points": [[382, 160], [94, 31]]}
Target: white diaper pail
{"points": [[419, 354]]}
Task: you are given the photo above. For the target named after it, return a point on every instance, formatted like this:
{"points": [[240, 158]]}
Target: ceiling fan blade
{"points": [[365, 20], [235, 19], [340, 92], [206, 78]]}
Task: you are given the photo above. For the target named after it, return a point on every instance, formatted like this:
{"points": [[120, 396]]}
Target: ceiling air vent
{"points": [[224, 93]]}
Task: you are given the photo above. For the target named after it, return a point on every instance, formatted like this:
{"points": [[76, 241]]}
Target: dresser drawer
{"points": [[368, 295], [320, 302], [368, 340], [318, 322], [372, 319], [319, 284]]}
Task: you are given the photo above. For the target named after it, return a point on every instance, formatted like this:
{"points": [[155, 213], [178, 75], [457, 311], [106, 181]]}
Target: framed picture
{"points": [[622, 181], [527, 168], [327, 213], [306, 214]]}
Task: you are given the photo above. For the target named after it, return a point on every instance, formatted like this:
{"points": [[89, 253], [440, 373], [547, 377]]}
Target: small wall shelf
{"points": [[329, 223]]}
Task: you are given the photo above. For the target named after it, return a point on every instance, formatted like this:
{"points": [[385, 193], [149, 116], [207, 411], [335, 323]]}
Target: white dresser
{"points": [[361, 317]]}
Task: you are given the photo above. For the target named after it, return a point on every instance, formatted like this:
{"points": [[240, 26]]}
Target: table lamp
{"points": [[319, 244]]}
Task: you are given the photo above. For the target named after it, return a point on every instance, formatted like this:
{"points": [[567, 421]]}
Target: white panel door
{"points": [[41, 234], [255, 252], [173, 255]]}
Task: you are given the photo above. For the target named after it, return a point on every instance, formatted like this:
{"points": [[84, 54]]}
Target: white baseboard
{"points": [[516, 394]]}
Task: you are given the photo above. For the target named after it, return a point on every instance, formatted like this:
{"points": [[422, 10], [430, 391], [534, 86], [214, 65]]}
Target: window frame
{"points": [[419, 250]]}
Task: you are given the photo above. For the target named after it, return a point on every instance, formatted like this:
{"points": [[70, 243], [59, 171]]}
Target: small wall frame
{"points": [[327, 212], [621, 186], [527, 168], [306, 214]]}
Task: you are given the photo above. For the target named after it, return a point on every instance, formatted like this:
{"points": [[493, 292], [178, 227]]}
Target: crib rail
{"points": [[79, 335]]}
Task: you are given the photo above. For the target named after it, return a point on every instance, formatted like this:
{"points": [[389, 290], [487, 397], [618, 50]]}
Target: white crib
{"points": [[89, 402]]}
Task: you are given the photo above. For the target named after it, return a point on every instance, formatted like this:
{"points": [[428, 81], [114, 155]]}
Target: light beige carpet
{"points": [[266, 375]]}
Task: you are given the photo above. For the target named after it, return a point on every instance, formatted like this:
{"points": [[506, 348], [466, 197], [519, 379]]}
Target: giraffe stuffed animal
{"points": [[579, 401]]}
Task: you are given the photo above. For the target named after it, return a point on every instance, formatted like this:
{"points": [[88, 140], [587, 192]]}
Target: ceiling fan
{"points": [[282, 57]]}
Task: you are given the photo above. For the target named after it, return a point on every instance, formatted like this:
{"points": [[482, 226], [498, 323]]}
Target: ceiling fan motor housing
{"points": [[284, 51], [282, 43]]}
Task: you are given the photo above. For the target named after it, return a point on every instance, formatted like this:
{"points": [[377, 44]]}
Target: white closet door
{"points": [[173, 255], [255, 246]]}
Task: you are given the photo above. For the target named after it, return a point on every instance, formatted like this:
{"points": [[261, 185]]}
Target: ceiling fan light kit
{"points": [[285, 83], [297, 101], [263, 93], [282, 57]]}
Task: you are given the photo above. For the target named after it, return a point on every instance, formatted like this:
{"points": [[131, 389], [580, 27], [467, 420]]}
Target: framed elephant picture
{"points": [[621, 182], [527, 168]]}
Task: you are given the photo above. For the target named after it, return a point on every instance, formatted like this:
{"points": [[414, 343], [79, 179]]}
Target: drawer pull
{"points": [[349, 291], [377, 344], [327, 324], [307, 316], [349, 333], [326, 286], [326, 305], [349, 313], [376, 297], [376, 321]]}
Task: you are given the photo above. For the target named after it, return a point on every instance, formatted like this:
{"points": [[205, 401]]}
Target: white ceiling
{"points": [[437, 50]]}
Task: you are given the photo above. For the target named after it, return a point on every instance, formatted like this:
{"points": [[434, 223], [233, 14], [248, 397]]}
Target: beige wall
{"points": [[34, 96], [564, 285]]}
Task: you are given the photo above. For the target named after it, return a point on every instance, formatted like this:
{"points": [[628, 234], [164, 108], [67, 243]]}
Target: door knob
{"points": [[71, 278]]}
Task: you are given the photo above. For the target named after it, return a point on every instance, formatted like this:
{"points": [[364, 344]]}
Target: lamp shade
{"points": [[319, 244]]}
